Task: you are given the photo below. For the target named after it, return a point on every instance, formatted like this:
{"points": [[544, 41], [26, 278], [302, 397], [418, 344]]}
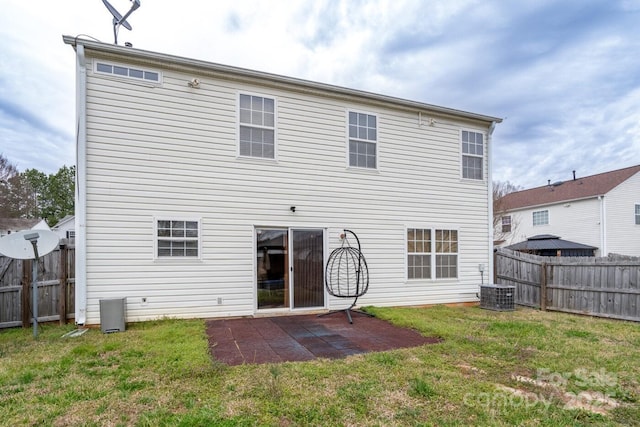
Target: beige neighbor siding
{"points": [[623, 234], [171, 151]]}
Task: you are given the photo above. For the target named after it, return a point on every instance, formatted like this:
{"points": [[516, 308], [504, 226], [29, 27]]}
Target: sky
{"points": [[563, 74]]}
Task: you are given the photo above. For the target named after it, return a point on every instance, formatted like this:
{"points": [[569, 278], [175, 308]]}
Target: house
{"points": [[205, 190], [600, 210], [13, 225], [66, 228]]}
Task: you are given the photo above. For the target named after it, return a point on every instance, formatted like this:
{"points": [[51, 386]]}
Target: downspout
{"points": [[603, 227], [490, 200], [81, 191]]}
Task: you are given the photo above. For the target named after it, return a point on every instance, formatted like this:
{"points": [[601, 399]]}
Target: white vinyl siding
{"points": [[257, 126], [363, 137], [622, 230], [174, 155], [472, 155], [540, 218]]}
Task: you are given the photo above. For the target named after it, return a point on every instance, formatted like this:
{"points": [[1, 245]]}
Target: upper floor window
{"points": [[129, 72], [506, 224], [257, 126], [363, 138], [432, 253], [638, 214], [541, 217], [472, 155], [177, 238]]}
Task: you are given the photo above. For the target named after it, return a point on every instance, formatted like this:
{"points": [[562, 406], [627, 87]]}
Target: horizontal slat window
{"points": [[129, 72]]}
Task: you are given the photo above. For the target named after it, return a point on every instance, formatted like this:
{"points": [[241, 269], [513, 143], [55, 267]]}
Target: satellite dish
{"points": [[18, 245], [119, 19]]}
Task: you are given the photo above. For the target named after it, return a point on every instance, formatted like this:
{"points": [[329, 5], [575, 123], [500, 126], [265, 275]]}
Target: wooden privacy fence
{"points": [[603, 287], [56, 285]]}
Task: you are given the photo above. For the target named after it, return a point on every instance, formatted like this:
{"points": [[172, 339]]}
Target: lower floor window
{"points": [[177, 238], [432, 253]]}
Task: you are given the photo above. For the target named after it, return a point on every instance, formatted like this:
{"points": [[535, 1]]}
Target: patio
{"points": [[305, 337]]}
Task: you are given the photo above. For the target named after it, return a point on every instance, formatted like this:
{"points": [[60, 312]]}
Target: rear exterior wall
{"points": [[170, 150]]}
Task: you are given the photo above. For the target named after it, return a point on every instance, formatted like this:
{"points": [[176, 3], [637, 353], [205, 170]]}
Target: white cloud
{"points": [[561, 72]]}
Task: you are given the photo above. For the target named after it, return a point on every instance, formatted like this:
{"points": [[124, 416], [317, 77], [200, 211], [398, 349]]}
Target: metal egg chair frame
{"points": [[347, 274]]}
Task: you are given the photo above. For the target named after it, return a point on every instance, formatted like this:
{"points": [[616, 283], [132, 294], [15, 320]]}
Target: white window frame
{"points": [[637, 214], [506, 223], [474, 155], [240, 124], [157, 238], [433, 253], [356, 140], [539, 224], [128, 75]]}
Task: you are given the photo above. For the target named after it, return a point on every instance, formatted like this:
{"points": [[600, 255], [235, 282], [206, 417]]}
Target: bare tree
{"points": [[8, 171], [501, 189]]}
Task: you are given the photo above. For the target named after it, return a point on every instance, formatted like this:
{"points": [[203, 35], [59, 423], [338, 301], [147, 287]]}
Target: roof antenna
{"points": [[119, 19]]}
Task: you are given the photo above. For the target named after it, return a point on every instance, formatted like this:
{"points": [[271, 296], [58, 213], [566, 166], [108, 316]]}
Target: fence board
{"points": [[605, 287], [15, 288]]}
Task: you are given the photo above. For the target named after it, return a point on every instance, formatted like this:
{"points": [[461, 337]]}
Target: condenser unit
{"points": [[497, 297]]}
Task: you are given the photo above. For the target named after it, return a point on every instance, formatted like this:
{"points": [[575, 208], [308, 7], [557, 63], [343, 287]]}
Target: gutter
{"points": [[490, 199], [603, 227], [81, 189]]}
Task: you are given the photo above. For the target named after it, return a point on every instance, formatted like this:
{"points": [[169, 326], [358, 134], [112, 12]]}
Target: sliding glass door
{"points": [[308, 268], [289, 268]]}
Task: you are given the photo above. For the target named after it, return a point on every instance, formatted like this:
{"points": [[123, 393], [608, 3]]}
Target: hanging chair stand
{"points": [[347, 275]]}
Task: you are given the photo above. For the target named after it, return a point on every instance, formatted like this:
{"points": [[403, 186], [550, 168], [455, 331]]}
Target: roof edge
{"points": [[150, 55]]}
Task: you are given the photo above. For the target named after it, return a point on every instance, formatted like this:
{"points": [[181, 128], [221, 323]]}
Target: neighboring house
{"points": [[66, 228], [601, 210], [13, 225], [207, 190]]}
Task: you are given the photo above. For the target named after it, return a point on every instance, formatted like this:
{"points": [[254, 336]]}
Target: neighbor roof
{"points": [[237, 73], [17, 224], [575, 189], [546, 242]]}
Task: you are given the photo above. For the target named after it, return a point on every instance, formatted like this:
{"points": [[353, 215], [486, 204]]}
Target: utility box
{"points": [[112, 315], [497, 297]]}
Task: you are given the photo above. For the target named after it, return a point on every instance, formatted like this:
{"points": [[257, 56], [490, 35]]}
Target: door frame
{"points": [[290, 274]]}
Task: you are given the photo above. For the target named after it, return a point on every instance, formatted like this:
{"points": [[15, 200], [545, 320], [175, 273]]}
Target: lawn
{"points": [[492, 368]]}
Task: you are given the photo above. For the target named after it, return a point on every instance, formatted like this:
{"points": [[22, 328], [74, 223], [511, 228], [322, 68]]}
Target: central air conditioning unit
{"points": [[497, 297]]}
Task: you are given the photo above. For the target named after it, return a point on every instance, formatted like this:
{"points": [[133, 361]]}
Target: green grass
{"points": [[492, 368]]}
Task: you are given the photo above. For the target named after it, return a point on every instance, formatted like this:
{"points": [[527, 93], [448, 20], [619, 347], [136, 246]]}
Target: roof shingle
{"points": [[579, 188]]}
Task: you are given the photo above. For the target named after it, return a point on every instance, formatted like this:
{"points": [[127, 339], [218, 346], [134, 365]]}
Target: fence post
{"points": [[26, 292], [62, 307], [543, 287], [495, 266]]}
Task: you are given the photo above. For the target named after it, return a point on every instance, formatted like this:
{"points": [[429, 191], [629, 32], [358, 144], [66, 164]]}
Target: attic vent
{"points": [[557, 183], [133, 73]]}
